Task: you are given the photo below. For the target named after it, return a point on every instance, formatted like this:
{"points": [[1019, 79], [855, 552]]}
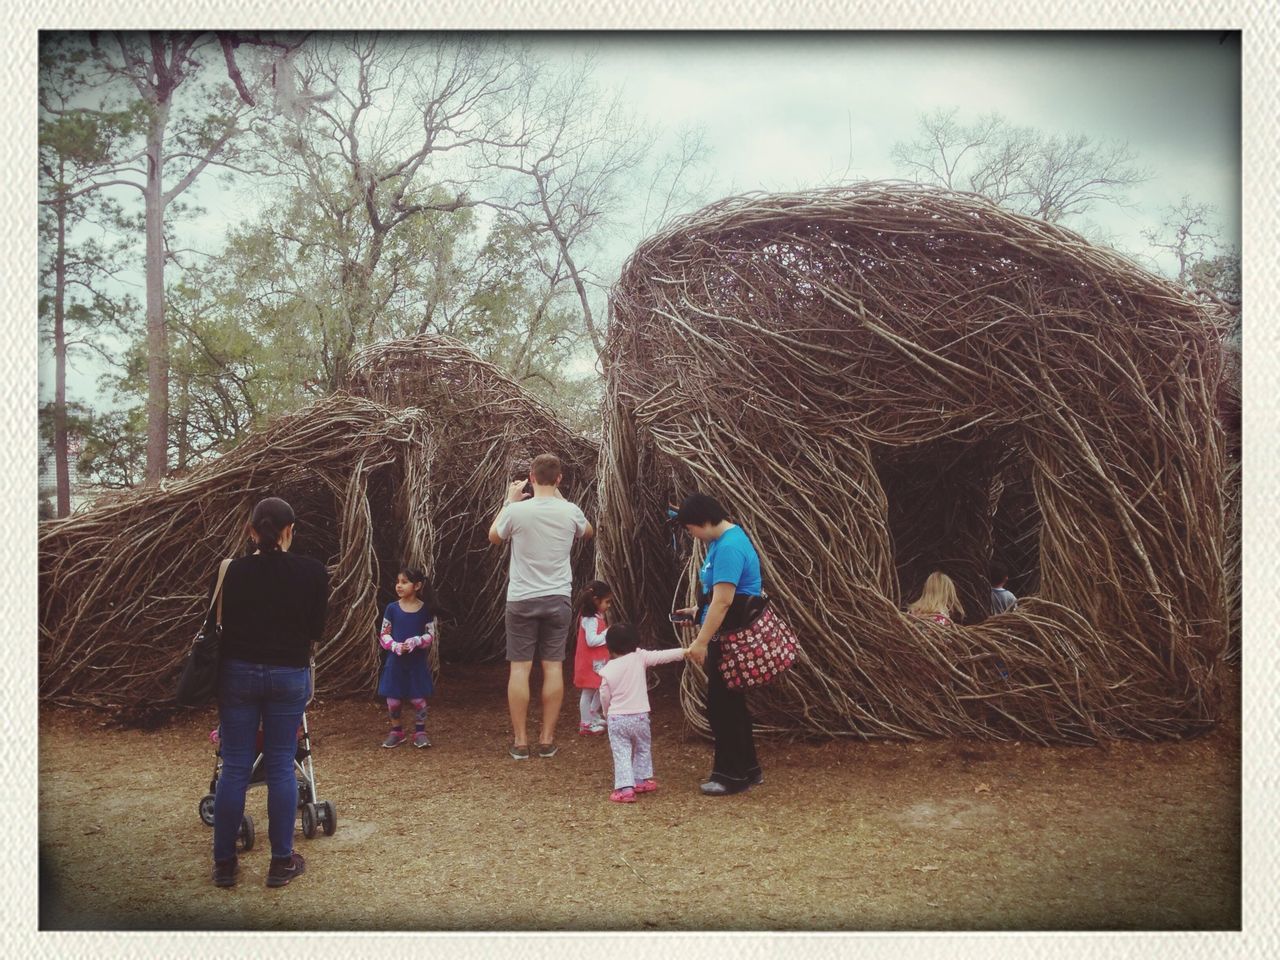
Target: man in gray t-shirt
{"points": [[541, 528]]}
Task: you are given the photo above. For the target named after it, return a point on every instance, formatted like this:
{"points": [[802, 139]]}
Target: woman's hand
{"points": [[697, 652]]}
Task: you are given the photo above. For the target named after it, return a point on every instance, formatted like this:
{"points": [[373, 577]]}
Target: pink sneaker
{"points": [[646, 786], [625, 795], [584, 729]]}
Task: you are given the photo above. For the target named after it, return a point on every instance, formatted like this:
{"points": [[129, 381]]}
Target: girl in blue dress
{"points": [[406, 634]]}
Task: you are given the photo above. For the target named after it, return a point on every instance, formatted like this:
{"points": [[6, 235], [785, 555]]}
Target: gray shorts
{"points": [[538, 628]]}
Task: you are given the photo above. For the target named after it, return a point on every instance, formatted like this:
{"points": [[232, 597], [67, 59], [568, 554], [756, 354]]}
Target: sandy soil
{"points": [[842, 836]]}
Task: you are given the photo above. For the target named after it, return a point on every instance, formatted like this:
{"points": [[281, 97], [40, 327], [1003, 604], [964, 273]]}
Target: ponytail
{"points": [[588, 596], [269, 519]]}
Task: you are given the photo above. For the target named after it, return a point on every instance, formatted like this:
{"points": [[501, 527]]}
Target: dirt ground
{"points": [[843, 835]]}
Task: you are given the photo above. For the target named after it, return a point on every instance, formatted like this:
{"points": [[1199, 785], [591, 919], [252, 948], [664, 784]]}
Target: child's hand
{"points": [[397, 648]]}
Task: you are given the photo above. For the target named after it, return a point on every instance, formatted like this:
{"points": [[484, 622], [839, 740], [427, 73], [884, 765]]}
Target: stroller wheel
{"points": [[206, 809], [309, 820], [328, 817], [246, 836]]}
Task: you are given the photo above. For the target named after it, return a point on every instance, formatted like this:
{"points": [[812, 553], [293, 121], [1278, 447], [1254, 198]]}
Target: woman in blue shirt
{"points": [[731, 588]]}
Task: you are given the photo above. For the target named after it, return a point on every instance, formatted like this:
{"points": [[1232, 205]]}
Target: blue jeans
{"points": [[249, 695]]}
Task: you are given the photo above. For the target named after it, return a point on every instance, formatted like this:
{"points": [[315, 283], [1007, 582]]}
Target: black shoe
{"points": [[519, 752], [282, 871], [756, 779], [547, 750], [714, 788], [226, 872]]}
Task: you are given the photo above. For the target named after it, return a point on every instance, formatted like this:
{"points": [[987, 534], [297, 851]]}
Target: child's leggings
{"points": [[419, 717], [589, 706], [630, 739]]}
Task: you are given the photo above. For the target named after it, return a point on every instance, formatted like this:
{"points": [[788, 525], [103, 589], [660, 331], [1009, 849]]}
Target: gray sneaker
{"points": [[547, 750], [519, 753], [420, 739], [394, 739]]}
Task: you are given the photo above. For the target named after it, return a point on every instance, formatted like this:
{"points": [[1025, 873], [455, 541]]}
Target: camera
{"points": [[520, 470]]}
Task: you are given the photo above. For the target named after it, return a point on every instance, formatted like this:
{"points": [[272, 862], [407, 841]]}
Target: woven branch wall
{"points": [[884, 380], [409, 464]]}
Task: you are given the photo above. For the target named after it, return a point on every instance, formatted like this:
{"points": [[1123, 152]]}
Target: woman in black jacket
{"points": [[273, 610]]}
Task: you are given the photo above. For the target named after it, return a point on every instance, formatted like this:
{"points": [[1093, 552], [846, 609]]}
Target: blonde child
{"points": [[624, 694], [938, 601]]}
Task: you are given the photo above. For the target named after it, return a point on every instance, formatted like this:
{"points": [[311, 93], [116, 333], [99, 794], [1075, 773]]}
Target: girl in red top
{"points": [[591, 654]]}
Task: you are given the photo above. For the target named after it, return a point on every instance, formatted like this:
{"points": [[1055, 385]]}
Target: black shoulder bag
{"points": [[199, 680]]}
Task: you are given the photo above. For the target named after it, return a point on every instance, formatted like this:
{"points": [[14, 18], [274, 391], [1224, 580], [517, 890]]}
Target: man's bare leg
{"points": [[518, 699], [552, 696]]}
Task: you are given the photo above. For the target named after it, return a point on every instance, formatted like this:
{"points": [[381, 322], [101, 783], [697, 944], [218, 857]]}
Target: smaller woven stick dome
{"points": [[410, 471], [888, 379]]}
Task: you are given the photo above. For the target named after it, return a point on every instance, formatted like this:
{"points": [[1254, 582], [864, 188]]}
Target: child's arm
{"points": [[591, 631], [422, 640], [605, 695], [386, 640], [653, 658]]}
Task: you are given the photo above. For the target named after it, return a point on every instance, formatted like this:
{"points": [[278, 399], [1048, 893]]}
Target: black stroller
{"points": [[316, 814]]}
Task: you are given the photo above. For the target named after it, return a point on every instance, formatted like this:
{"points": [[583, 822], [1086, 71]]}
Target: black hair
{"points": [[596, 590], [622, 638], [425, 593], [268, 520], [999, 573], [700, 509]]}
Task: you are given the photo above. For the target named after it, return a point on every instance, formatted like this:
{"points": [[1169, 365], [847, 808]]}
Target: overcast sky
{"points": [[789, 111]]}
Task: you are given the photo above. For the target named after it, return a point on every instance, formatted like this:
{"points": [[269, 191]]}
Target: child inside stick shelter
{"points": [[938, 601]]}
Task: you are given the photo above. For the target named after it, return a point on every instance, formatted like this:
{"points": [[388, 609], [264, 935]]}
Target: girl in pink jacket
{"points": [[624, 695]]}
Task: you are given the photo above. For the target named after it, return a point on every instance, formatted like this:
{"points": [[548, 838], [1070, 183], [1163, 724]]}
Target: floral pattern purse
{"points": [[759, 652]]}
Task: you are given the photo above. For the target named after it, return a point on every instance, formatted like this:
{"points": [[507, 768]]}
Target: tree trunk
{"points": [[157, 338], [183, 421], [62, 470], [563, 243]]}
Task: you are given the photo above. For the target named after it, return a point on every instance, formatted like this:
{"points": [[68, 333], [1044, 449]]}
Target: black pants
{"points": [[735, 763]]}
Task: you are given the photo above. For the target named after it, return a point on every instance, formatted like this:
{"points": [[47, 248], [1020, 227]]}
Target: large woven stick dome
{"points": [[409, 465], [883, 380]]}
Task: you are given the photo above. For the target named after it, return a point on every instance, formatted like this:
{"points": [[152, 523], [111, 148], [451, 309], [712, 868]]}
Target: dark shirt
{"points": [[273, 608]]}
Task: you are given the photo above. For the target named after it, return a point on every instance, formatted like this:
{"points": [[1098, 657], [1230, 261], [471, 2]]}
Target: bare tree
{"points": [[1050, 176], [571, 162], [394, 142], [677, 182], [1189, 232]]}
